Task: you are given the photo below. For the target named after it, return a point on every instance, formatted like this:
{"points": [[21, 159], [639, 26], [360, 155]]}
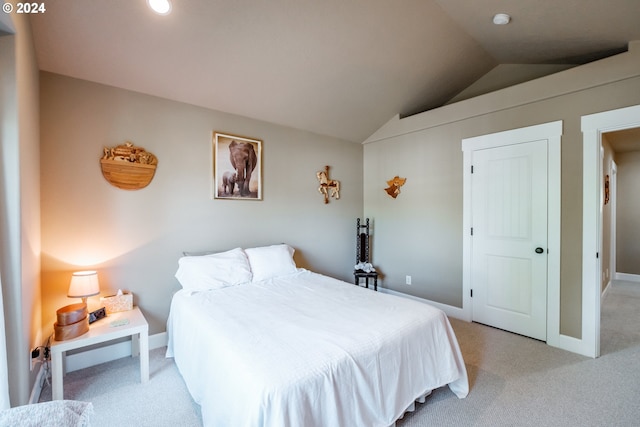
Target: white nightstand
{"points": [[101, 331]]}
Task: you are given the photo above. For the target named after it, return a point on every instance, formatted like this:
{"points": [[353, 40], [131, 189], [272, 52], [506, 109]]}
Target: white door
{"points": [[509, 243]]}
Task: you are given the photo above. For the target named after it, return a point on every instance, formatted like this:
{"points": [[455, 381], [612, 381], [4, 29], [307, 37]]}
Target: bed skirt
{"points": [[412, 407]]}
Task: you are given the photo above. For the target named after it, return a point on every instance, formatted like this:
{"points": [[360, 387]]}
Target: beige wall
{"points": [[20, 201], [134, 238], [628, 219], [420, 232]]}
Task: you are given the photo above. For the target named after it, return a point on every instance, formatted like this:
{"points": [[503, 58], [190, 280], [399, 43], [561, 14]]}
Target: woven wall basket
{"points": [[128, 167], [128, 176]]}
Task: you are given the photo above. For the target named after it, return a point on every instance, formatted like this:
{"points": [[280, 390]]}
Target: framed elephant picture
{"points": [[237, 167]]}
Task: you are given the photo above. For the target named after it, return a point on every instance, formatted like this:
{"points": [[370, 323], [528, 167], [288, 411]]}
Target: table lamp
{"points": [[84, 284]]}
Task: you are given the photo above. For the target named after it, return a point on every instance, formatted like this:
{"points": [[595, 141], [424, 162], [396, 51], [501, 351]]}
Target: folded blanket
{"points": [[365, 266], [58, 413]]}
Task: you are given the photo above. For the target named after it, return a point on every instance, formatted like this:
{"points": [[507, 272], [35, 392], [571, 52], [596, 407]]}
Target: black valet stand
{"points": [[362, 255]]}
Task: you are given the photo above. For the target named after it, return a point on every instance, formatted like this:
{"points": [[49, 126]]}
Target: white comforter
{"points": [[308, 350]]}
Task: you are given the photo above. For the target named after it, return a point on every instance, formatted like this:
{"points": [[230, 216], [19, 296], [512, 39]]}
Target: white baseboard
{"points": [[158, 340], [74, 362], [449, 310], [605, 292], [627, 277], [37, 386]]}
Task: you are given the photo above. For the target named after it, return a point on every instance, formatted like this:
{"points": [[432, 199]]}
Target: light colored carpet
{"points": [[119, 399], [515, 381]]}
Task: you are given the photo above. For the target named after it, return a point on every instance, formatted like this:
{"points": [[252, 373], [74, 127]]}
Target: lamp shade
{"points": [[84, 284]]}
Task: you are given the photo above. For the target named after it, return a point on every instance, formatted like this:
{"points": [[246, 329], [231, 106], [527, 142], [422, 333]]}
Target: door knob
{"points": [[539, 250]]}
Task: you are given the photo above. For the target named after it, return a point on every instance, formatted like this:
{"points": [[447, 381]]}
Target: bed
{"points": [[260, 342]]}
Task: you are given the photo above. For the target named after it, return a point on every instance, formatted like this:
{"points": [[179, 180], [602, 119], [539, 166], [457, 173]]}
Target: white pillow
{"points": [[215, 271], [271, 261]]}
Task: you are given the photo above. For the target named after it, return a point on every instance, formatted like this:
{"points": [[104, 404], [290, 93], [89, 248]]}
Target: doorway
{"points": [[593, 127], [624, 147], [537, 266]]}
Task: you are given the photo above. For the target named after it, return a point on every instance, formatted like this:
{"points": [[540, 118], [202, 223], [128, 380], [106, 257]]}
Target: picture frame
{"points": [[237, 167]]}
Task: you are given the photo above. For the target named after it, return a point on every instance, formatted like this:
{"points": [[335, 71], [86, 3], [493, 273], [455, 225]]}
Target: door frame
{"points": [[552, 132], [593, 126]]}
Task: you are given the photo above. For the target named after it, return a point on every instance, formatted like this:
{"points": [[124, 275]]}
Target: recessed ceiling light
{"points": [[161, 7], [501, 19]]}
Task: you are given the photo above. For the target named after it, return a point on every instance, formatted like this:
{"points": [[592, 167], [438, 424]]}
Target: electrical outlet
{"points": [[408, 280]]}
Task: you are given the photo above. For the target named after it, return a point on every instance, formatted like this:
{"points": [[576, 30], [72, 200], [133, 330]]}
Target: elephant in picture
{"points": [[228, 182], [243, 159]]}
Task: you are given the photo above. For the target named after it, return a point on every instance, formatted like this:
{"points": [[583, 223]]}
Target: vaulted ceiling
{"points": [[341, 68]]}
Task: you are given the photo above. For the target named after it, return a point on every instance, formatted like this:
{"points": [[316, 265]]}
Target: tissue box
{"points": [[115, 303]]}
